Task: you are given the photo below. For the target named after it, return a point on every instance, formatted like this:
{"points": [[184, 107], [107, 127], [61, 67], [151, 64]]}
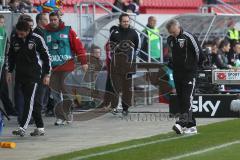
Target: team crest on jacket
{"points": [[16, 47], [30, 46], [181, 42]]}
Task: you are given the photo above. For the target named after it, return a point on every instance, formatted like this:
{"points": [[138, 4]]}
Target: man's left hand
{"points": [[46, 80], [85, 67]]}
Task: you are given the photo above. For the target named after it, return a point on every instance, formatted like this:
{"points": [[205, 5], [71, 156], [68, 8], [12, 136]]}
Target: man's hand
{"points": [[85, 67], [46, 80], [9, 77]]}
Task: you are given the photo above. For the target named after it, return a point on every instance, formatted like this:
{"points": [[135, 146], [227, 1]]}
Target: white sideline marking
{"points": [[128, 147], [204, 150]]}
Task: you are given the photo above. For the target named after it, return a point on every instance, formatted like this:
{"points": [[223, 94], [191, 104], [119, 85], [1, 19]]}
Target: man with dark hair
{"points": [[185, 51], [221, 59], [25, 52], [124, 43], [63, 45], [18, 95], [234, 56]]}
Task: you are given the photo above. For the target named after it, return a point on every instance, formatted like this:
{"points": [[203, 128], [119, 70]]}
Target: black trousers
{"points": [[31, 108], [122, 84], [42, 95], [185, 84]]}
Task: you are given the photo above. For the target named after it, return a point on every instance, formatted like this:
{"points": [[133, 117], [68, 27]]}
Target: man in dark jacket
{"points": [[41, 21], [124, 43], [28, 56], [43, 92], [221, 58], [185, 55]]}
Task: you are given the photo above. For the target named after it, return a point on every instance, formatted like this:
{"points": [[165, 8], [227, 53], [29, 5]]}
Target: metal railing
{"points": [[85, 8]]}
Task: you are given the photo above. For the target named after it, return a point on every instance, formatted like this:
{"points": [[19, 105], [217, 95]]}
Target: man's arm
{"points": [[77, 47], [10, 59], [42, 49], [137, 42], [194, 44]]}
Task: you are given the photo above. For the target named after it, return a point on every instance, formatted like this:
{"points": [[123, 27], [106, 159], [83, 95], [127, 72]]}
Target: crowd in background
{"points": [[223, 53], [26, 6]]}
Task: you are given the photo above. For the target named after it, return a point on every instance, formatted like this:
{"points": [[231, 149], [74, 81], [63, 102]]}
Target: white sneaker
{"points": [[178, 129], [38, 132], [60, 122], [191, 130]]}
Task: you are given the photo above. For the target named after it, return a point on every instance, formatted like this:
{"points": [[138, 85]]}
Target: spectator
{"points": [[118, 4], [132, 6], [14, 6], [94, 63], [26, 6], [234, 56], [129, 7], [63, 45], [137, 4], [23, 6], [221, 60]]}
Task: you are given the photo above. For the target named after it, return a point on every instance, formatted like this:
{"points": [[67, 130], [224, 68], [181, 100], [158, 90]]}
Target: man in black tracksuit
{"points": [[185, 55], [43, 93], [28, 56], [124, 42]]}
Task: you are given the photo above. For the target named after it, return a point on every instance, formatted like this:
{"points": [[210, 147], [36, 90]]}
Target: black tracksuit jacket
{"points": [[125, 41], [185, 52], [30, 58]]}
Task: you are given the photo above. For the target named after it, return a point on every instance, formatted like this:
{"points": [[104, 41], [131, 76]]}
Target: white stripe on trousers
{"points": [[191, 96], [31, 107]]}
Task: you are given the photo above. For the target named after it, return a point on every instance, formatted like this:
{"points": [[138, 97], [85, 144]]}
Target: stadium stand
{"points": [[149, 6], [155, 6]]}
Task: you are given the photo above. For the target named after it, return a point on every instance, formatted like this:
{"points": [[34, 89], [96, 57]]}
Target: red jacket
{"points": [[76, 47]]}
